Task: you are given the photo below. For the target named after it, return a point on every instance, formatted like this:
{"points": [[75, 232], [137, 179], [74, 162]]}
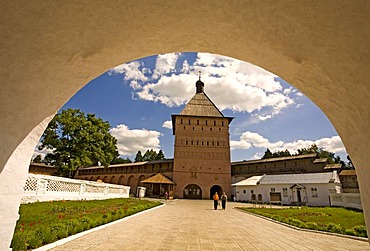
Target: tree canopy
{"points": [[149, 155], [320, 152], [78, 140]]}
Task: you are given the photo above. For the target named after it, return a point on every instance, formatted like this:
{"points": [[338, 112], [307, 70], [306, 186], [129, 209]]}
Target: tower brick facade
{"points": [[201, 149]]}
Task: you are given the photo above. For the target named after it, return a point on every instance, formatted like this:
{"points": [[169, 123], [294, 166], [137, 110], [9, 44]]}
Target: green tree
{"points": [[160, 155], [37, 159], [321, 153], [139, 157], [78, 140], [268, 154]]}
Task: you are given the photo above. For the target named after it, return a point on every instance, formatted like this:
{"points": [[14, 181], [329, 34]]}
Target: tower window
{"points": [[197, 142], [222, 123], [184, 127], [189, 121], [214, 123], [207, 143], [210, 129], [181, 121], [202, 128], [186, 142], [193, 128], [213, 143], [218, 143], [206, 122], [219, 129], [197, 121], [191, 142]]}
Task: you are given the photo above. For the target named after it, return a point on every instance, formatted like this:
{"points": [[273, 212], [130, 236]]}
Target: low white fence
{"points": [[49, 188], [350, 200]]}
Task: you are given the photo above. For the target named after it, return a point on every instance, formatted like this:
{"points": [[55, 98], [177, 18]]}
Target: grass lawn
{"points": [[41, 223], [329, 219]]}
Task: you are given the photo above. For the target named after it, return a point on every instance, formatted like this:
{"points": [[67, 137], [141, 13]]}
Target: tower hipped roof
{"points": [[201, 105]]}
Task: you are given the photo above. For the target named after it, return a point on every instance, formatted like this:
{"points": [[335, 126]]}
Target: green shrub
{"points": [[360, 231], [350, 232], [312, 225], [334, 228]]}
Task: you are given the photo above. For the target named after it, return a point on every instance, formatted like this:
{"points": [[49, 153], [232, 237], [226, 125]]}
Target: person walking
{"points": [[215, 200], [223, 200]]}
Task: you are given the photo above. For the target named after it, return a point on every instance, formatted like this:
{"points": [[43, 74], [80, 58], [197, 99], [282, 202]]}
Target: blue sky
{"points": [[138, 98]]}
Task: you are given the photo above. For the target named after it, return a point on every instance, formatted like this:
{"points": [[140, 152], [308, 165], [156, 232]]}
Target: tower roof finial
{"points": [[199, 84], [200, 74]]}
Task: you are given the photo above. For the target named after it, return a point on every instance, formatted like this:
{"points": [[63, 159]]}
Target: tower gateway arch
{"points": [[51, 49]]}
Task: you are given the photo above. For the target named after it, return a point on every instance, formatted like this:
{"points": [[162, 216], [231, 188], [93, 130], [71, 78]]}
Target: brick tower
{"points": [[201, 149]]}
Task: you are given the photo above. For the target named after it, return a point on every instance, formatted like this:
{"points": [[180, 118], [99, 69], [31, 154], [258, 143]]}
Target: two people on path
{"points": [[216, 200]]}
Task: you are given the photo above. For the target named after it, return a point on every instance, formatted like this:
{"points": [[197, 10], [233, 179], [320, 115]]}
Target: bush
{"points": [[360, 231], [312, 225], [334, 228]]}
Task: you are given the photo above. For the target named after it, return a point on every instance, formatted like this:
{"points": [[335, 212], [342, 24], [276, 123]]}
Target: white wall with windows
{"points": [[311, 194]]}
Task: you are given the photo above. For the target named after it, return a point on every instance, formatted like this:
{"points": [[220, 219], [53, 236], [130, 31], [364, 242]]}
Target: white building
{"points": [[312, 189]]}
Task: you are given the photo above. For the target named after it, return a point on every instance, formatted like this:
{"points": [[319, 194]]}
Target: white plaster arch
{"points": [[50, 49]]}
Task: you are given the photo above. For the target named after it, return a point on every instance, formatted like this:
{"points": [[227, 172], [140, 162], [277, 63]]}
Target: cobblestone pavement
{"points": [[194, 225]]}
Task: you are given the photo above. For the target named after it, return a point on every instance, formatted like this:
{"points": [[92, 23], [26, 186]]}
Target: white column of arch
{"points": [[12, 179]]}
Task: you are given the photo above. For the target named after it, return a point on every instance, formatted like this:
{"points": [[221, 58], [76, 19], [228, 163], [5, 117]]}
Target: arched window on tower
{"points": [[189, 121], [222, 123], [197, 121], [181, 121], [206, 122]]}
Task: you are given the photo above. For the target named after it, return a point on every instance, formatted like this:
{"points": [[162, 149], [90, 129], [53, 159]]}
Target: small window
{"points": [[197, 121], [193, 128], [206, 122], [214, 123], [314, 192], [202, 142], [181, 121], [210, 129], [202, 128], [207, 143], [272, 190], [285, 192], [189, 121], [184, 127], [252, 191], [213, 143], [222, 123], [218, 143], [186, 142], [191, 142], [244, 191]]}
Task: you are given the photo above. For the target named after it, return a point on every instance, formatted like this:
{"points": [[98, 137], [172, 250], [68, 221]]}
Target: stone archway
{"points": [[214, 189], [51, 50], [192, 191]]}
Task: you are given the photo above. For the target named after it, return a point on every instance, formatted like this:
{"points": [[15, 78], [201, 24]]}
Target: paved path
{"points": [[194, 225]]}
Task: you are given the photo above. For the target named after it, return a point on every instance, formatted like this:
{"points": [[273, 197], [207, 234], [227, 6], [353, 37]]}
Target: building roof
{"points": [[320, 160], [252, 181], [348, 173], [302, 178], [159, 179], [333, 166], [312, 155], [201, 105], [130, 164]]}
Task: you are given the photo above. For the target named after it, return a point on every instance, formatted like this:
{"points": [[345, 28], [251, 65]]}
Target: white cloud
{"points": [[230, 83], [167, 124], [249, 139], [131, 71], [42, 152], [165, 64], [130, 141], [299, 94]]}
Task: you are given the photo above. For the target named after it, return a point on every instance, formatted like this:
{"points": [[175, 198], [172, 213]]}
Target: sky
{"points": [[137, 99]]}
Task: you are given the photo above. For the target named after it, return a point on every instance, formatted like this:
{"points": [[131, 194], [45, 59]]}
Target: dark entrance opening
{"points": [[214, 189], [192, 191]]}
